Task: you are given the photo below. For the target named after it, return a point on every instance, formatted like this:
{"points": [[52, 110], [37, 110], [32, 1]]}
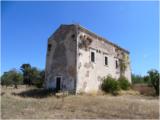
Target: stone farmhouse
{"points": [[77, 60]]}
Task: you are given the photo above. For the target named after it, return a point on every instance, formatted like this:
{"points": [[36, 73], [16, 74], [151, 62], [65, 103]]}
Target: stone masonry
{"points": [[77, 60]]}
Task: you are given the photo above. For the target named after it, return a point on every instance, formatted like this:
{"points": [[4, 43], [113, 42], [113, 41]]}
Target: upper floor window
{"points": [[106, 60], [73, 36], [92, 56], [116, 63], [49, 47]]}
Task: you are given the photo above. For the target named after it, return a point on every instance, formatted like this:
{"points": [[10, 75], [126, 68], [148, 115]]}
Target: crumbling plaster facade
{"points": [[69, 56]]}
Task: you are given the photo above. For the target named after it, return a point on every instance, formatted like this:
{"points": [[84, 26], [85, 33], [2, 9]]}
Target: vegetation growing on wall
{"points": [[123, 63], [84, 42]]}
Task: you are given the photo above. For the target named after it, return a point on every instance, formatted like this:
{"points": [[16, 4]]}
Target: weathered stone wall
{"points": [[90, 74], [70, 57], [61, 59]]}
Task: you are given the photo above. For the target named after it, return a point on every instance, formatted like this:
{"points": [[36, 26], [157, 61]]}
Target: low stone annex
{"points": [[77, 60]]}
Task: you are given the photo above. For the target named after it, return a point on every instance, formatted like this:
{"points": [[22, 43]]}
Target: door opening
{"points": [[58, 83]]}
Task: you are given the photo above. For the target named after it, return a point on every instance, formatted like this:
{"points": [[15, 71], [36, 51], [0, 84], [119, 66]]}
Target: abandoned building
{"points": [[77, 60]]}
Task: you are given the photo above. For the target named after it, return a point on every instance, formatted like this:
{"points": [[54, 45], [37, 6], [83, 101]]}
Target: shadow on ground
{"points": [[35, 93]]}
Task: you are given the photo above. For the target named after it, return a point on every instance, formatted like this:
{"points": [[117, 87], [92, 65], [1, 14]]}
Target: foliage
{"points": [[5, 79], [42, 77], [123, 83], [11, 77], [110, 85], [123, 63], [37, 77], [32, 76], [27, 71], [138, 79], [123, 67], [147, 80], [154, 78], [16, 77]]}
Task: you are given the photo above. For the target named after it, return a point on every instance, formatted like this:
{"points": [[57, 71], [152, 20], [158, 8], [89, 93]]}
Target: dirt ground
{"points": [[32, 103]]}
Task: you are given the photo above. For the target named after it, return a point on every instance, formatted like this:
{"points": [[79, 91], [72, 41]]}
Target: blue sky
{"points": [[26, 26]]}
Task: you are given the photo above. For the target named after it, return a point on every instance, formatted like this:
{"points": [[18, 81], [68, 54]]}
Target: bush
{"points": [[123, 83], [110, 85]]}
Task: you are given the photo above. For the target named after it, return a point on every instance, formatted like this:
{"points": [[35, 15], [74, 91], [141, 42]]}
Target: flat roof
{"points": [[97, 36], [101, 38]]}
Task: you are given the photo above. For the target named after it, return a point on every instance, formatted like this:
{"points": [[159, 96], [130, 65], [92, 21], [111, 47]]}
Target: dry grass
{"points": [[144, 89], [30, 106]]}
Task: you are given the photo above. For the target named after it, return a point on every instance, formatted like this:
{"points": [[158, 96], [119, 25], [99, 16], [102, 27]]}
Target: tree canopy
{"points": [[29, 76]]}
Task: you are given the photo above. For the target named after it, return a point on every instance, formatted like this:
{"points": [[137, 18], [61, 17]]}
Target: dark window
{"points": [[81, 37], [73, 36], [106, 60], [92, 56], [116, 63], [49, 47], [97, 51]]}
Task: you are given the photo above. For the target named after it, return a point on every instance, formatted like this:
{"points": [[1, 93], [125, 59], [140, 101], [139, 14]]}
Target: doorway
{"points": [[58, 83]]}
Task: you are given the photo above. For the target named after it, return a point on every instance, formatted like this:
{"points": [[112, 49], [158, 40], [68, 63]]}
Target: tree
{"points": [[154, 78], [27, 72], [147, 80], [35, 75], [42, 74], [5, 79], [32, 76], [16, 78], [137, 79], [11, 77], [38, 77]]}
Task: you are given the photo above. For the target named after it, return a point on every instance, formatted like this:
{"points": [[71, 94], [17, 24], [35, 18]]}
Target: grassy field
{"points": [[32, 103]]}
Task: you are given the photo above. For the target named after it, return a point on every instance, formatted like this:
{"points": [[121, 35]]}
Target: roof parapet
{"points": [[101, 38], [95, 35]]}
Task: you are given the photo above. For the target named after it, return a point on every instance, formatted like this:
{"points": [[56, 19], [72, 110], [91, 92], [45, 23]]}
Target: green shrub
{"points": [[110, 85], [123, 83]]}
